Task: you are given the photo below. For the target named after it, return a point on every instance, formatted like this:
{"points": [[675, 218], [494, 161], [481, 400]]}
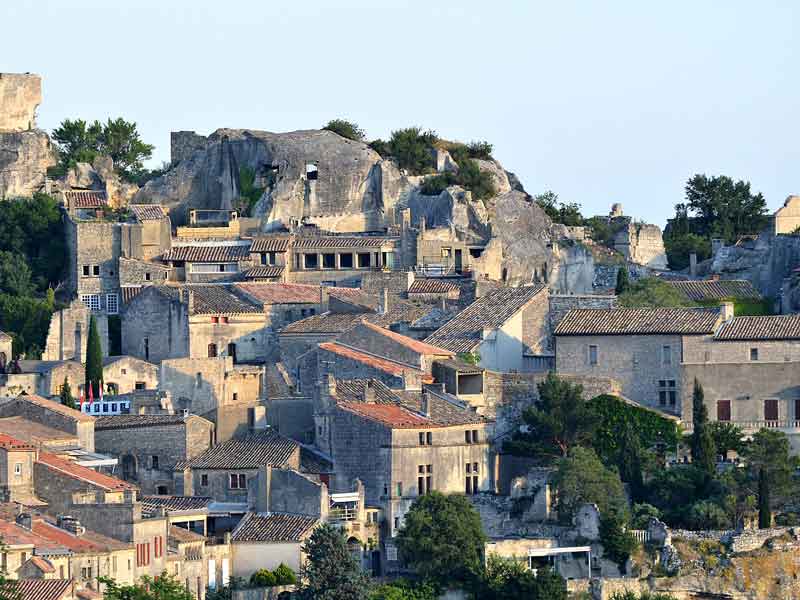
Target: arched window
{"points": [[212, 350]]}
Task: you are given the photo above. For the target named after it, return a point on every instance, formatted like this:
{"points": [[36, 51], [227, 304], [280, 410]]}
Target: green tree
{"points": [[442, 538], [727, 436], [628, 595], [163, 587], [651, 292], [623, 281], [27, 320], [680, 246], [508, 579], [284, 575], [94, 360], [642, 513], [704, 455], [764, 508], [769, 469], [15, 274], [631, 462], [330, 571], [401, 589], [707, 514], [558, 421], [723, 208], [566, 213], [65, 394], [581, 478], [618, 543], [263, 578], [412, 148], [346, 129], [76, 141]]}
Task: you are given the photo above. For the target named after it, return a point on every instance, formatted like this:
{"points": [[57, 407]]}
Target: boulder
{"points": [[82, 176]]}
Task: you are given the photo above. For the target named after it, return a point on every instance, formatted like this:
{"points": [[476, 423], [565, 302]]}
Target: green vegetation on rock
{"points": [[346, 129]]}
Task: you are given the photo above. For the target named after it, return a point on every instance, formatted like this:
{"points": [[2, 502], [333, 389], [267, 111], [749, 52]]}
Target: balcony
{"points": [[786, 426]]}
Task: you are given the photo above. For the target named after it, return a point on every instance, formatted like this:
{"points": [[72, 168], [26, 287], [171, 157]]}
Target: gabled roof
{"points": [[77, 472], [13, 534], [410, 343], [463, 332], [57, 407], [211, 254], [88, 542], [639, 321], [281, 293], [432, 286], [85, 198], [327, 322], [44, 565], [183, 536], [220, 299], [777, 327], [147, 212], [376, 362], [259, 448], [717, 289], [107, 422], [270, 244], [273, 527], [336, 241], [391, 415], [11, 443], [175, 503], [43, 589]]}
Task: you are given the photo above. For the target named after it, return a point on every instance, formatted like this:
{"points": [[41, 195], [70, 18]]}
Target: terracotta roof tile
{"points": [[250, 452], [273, 527], [463, 332], [107, 422], [355, 242], [325, 323], [270, 244], [777, 327], [264, 272], [16, 535], [382, 364], [12, 443], [73, 414], [220, 299], [210, 254], [410, 343], [183, 536], [639, 321], [44, 565], [281, 293], [432, 286], [718, 289], [175, 503], [44, 589], [391, 415], [75, 471], [147, 212], [88, 542], [85, 198]]}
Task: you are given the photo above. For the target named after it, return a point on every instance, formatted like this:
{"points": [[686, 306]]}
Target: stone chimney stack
{"points": [[726, 309], [369, 392], [693, 264], [425, 407], [385, 301]]}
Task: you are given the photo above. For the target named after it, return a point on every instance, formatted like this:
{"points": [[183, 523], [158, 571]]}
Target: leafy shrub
{"points": [[469, 176], [263, 578], [679, 246], [436, 184], [381, 147], [461, 152], [642, 513], [284, 575], [618, 544], [346, 129], [652, 292], [628, 595], [706, 514]]}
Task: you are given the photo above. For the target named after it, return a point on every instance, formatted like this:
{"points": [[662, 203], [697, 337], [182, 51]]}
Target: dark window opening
{"points": [[212, 351], [346, 261], [475, 252], [328, 261], [770, 409], [232, 351], [364, 260], [753, 353], [723, 410], [146, 348], [140, 385], [154, 462], [310, 261], [312, 172], [147, 276]]}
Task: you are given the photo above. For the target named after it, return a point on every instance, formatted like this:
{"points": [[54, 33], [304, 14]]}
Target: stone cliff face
{"points": [[315, 174], [24, 159]]}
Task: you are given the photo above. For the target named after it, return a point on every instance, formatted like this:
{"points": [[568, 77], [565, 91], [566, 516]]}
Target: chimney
{"points": [[190, 301], [24, 520], [425, 407], [369, 392], [71, 524], [726, 309], [324, 295], [385, 304], [693, 264]]}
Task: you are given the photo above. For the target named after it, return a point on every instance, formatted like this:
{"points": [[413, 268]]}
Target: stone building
{"points": [[265, 540], [642, 348], [446, 251], [43, 378], [433, 290], [53, 415], [149, 446], [21, 545], [68, 333], [787, 218], [507, 328], [205, 262], [403, 445], [642, 244], [155, 324], [126, 374]]}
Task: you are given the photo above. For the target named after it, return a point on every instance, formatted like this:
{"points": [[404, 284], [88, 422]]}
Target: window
{"points": [[112, 304], [146, 342], [310, 261], [666, 356], [215, 320], [593, 356], [346, 261], [770, 409], [154, 461], [471, 478], [87, 270], [232, 351], [204, 480], [447, 252], [97, 408], [468, 437], [667, 394], [140, 385], [474, 436], [399, 488], [429, 438], [235, 396], [147, 276], [723, 410], [268, 258], [224, 319], [421, 438], [328, 261], [364, 260], [287, 315], [92, 301], [212, 350], [113, 407], [96, 270], [238, 481], [18, 469], [753, 353]]}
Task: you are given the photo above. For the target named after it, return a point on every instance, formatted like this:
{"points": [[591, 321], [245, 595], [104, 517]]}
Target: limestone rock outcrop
{"points": [[20, 95], [25, 157]]}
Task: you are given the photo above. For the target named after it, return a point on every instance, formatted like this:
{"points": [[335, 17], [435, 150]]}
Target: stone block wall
{"points": [[642, 244], [20, 96], [68, 334]]}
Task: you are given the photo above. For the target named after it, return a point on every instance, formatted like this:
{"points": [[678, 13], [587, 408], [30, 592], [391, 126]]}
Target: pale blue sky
{"points": [[599, 101]]}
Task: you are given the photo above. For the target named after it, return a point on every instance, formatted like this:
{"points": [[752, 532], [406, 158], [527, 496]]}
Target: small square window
{"points": [[204, 480], [86, 270], [18, 469], [96, 270], [224, 319], [753, 353], [593, 356], [147, 276], [399, 488], [215, 320]]}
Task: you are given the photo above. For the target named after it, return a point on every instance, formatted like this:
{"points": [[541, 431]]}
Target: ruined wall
{"points": [[787, 218], [642, 244], [20, 95], [68, 334]]}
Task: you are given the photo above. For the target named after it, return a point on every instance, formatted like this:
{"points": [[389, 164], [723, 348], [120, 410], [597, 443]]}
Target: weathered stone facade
{"points": [[155, 326], [68, 334], [787, 218], [126, 374], [20, 96], [642, 244]]}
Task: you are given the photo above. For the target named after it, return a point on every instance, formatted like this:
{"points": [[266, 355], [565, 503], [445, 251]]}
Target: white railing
{"points": [[642, 535], [748, 426]]}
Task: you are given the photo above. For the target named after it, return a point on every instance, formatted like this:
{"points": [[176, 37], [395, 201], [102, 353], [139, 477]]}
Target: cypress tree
{"points": [[764, 512], [630, 462], [702, 442], [66, 394], [94, 360], [623, 281]]}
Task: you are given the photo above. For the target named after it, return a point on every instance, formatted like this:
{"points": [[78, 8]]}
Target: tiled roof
{"points": [[281, 293], [264, 272], [325, 323], [716, 289], [314, 463], [4, 336], [44, 565], [71, 413], [220, 299], [259, 448], [432, 286], [638, 321], [183, 536], [15, 535], [778, 327], [392, 415], [75, 471], [147, 212], [43, 366], [175, 503], [210, 254], [352, 390], [43, 589], [270, 244], [107, 422], [370, 360], [11, 443], [341, 242], [273, 527], [410, 343], [85, 198], [463, 332], [35, 433], [89, 541]]}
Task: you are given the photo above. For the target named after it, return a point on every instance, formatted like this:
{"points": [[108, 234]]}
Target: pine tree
{"points": [[702, 442], [66, 394], [94, 360], [623, 281], [764, 511], [331, 572]]}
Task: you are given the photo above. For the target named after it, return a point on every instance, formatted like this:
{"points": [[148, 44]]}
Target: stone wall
{"points": [[20, 96], [155, 327], [72, 421], [642, 244], [561, 304], [25, 157], [787, 218], [68, 334]]}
